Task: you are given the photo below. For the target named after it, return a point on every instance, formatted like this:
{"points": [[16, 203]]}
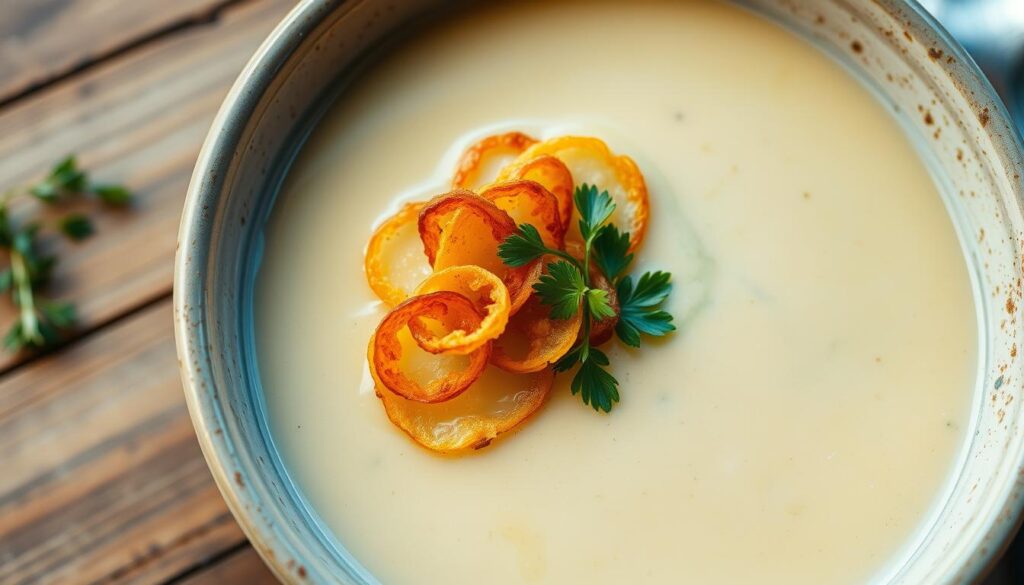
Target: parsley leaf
{"points": [[113, 194], [594, 384], [638, 307], [595, 209], [611, 251], [597, 301], [76, 227], [522, 247], [562, 288], [64, 178]]}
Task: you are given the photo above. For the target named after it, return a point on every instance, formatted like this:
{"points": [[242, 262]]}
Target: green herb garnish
{"points": [[568, 288], [42, 321]]}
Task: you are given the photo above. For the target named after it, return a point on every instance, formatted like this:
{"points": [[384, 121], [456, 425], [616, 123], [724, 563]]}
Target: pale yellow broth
{"points": [[799, 428]]}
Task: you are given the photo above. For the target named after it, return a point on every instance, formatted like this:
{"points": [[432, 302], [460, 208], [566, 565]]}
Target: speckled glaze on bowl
{"points": [[928, 81]]}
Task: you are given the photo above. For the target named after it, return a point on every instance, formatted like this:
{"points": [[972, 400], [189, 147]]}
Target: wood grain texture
{"points": [[243, 567], [103, 479], [139, 119], [43, 39]]}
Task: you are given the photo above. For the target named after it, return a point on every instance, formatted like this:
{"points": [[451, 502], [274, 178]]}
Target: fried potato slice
{"points": [[533, 340], [394, 262], [487, 293], [529, 202], [461, 228], [495, 404], [590, 161], [480, 163], [552, 174], [398, 364]]}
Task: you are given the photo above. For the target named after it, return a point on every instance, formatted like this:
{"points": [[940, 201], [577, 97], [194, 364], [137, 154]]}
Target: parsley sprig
{"points": [[41, 321], [567, 287]]}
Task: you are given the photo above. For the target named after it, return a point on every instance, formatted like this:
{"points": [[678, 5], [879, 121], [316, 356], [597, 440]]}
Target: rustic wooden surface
{"points": [[101, 479]]}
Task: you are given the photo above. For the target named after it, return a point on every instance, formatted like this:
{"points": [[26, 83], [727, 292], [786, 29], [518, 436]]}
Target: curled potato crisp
{"points": [[487, 293], [495, 404], [529, 202], [553, 175], [533, 340], [482, 160], [394, 261], [590, 162], [461, 228], [399, 365]]}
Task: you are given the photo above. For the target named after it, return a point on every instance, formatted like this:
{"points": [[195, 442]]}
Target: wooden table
{"points": [[101, 478]]}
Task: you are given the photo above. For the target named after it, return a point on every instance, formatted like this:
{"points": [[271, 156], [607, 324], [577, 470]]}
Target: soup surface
{"points": [[801, 425]]}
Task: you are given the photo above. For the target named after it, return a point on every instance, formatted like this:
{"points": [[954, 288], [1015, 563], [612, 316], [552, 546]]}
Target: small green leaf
{"points": [[597, 301], [595, 209], [629, 334], [14, 340], [595, 385], [67, 177], [522, 247], [68, 164], [6, 280], [611, 251], [6, 232], [652, 289], [24, 239], [76, 226], [638, 308], [60, 314], [113, 194], [562, 288], [40, 268], [45, 191], [64, 178]]}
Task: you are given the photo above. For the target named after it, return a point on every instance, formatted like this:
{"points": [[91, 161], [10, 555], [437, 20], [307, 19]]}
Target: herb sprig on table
{"points": [[567, 287], [41, 321]]}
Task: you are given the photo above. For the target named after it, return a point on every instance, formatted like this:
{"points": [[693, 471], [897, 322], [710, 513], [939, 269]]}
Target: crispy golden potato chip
{"points": [[529, 202], [461, 228], [479, 163], [399, 365], [394, 263], [533, 340], [495, 404], [550, 172], [487, 293], [590, 162]]}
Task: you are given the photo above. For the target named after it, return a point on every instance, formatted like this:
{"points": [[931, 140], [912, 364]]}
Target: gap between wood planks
{"points": [[206, 17], [80, 336]]}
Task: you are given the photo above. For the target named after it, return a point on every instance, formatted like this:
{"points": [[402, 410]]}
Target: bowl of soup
{"points": [[835, 189]]}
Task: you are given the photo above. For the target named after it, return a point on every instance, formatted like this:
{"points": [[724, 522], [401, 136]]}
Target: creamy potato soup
{"points": [[801, 425]]}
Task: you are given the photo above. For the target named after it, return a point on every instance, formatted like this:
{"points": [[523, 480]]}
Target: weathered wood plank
{"points": [[43, 39], [139, 119], [103, 479], [245, 566]]}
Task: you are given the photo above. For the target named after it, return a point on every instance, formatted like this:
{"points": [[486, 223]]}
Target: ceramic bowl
{"points": [[915, 68]]}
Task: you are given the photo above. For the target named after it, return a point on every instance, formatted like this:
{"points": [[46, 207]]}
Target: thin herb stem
{"points": [[586, 264], [569, 257], [26, 301]]}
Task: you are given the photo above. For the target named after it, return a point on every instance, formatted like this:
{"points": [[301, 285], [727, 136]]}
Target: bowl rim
{"points": [[197, 233]]}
